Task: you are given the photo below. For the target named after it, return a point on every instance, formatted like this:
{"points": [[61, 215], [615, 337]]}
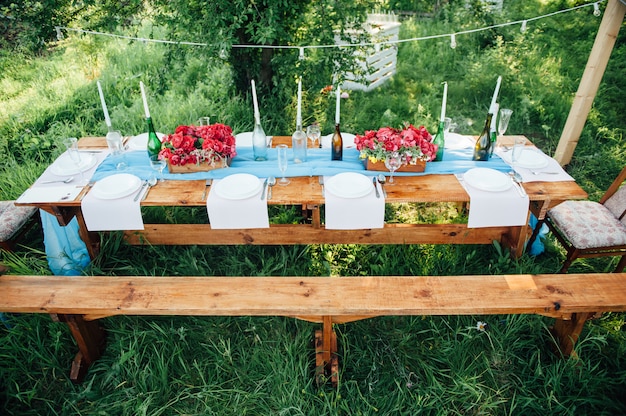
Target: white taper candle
{"points": [[299, 112], [495, 92], [444, 102], [145, 101], [107, 120], [257, 114], [338, 105]]}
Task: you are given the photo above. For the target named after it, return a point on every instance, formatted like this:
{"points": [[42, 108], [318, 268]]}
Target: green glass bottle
{"points": [[483, 143], [154, 143], [492, 128], [440, 141]]}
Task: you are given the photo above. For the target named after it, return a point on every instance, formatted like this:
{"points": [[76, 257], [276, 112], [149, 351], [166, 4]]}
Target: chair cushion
{"points": [[12, 218], [617, 203], [588, 224]]}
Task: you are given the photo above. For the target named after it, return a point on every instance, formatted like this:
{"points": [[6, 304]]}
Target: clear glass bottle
{"points": [[298, 144], [336, 144], [440, 140], [259, 142], [483, 143]]}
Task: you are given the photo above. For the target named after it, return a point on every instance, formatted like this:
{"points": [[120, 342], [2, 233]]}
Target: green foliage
{"points": [[389, 365]]}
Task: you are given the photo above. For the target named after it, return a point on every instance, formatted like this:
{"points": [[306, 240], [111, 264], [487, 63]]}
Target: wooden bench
{"points": [[81, 301]]}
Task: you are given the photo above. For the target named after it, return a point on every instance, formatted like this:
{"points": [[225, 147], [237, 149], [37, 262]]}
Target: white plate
{"points": [[65, 166], [140, 142], [487, 179], [347, 138], [238, 186], [116, 186], [528, 159], [457, 141], [349, 185]]}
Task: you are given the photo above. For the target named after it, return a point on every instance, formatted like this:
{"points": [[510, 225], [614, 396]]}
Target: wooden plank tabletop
{"points": [[306, 190], [554, 295]]}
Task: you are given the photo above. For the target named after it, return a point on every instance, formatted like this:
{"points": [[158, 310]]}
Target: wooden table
{"points": [[306, 192]]}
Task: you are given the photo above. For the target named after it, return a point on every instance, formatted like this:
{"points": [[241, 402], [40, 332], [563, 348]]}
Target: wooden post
{"points": [[588, 87]]}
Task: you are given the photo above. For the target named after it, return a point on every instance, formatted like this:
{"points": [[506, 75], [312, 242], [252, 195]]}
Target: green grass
{"points": [[264, 365]]}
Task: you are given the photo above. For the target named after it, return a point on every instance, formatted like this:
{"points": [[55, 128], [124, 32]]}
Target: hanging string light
{"points": [[596, 10], [453, 44]]}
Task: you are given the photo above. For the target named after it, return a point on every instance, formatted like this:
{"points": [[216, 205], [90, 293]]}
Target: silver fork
{"points": [[321, 180]]}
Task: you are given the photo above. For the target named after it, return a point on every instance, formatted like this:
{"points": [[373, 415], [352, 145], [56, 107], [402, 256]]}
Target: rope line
{"points": [[301, 48]]}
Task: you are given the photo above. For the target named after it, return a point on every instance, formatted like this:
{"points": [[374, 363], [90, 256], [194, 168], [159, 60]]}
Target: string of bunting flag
{"points": [[523, 27]]}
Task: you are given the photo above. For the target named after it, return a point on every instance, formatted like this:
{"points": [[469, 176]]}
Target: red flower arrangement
{"points": [[413, 144], [198, 144]]}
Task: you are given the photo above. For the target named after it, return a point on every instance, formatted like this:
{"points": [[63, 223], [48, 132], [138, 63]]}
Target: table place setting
{"points": [[238, 201], [113, 203], [353, 201], [532, 164], [495, 199], [64, 179]]}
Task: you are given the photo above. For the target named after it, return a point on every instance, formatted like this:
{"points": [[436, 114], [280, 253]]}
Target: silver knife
{"points": [[206, 188], [376, 187], [143, 186], [264, 188]]}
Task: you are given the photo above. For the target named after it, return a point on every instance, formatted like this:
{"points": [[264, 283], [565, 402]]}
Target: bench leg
{"points": [[326, 359], [90, 338], [567, 332]]}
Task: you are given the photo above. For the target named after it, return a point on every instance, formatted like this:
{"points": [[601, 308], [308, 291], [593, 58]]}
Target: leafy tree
{"points": [[224, 24]]}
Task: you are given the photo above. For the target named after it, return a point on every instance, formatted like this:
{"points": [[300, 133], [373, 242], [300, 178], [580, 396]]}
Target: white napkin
{"points": [[496, 209], [242, 213], [112, 214], [355, 213], [528, 176], [50, 193], [458, 141]]}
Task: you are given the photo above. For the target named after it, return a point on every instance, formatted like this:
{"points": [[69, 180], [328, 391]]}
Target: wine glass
{"points": [[282, 163], [313, 132], [392, 162], [158, 165], [114, 142], [505, 116], [71, 144], [204, 121]]}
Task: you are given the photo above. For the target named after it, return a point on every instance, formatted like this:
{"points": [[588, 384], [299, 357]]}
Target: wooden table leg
{"points": [[567, 331], [90, 338], [91, 239], [326, 359]]}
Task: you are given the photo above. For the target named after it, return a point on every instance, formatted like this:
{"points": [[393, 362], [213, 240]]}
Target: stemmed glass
{"points": [[158, 165], [392, 162], [114, 142], [282, 163], [313, 132], [71, 144], [505, 116]]}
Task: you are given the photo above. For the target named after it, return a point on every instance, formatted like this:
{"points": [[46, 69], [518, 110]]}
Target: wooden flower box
{"points": [[420, 166], [191, 168]]}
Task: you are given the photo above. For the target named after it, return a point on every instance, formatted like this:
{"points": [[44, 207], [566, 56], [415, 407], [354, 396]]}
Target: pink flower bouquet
{"points": [[198, 144], [413, 144]]}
